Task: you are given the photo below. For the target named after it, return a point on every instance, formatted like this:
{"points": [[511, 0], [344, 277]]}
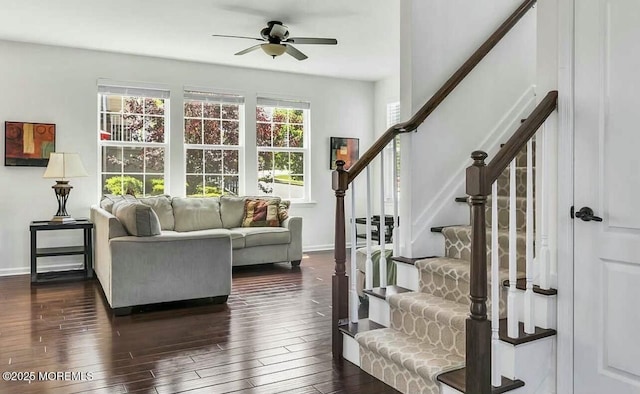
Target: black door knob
{"points": [[586, 214]]}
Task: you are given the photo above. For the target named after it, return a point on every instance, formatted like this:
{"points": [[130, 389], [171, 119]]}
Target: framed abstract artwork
{"points": [[342, 148], [28, 144]]}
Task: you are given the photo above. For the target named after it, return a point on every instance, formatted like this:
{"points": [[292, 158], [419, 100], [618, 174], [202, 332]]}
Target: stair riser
{"points": [[430, 331], [521, 182], [458, 246], [503, 214], [399, 378]]}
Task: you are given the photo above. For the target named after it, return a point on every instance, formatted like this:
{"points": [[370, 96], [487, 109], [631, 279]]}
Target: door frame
{"points": [[565, 241]]}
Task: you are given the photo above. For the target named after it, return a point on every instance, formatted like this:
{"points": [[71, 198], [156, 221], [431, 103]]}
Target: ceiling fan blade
{"points": [[312, 40], [250, 49], [246, 38], [296, 53]]}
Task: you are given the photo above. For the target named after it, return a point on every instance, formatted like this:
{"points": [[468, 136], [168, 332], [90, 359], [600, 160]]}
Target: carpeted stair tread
{"points": [[456, 269], [433, 308], [425, 360]]}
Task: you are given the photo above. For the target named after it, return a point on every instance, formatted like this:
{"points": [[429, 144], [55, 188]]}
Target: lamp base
{"points": [[63, 220]]}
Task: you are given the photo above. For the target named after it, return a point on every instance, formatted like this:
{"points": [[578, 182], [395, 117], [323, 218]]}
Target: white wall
{"points": [[58, 85], [437, 38]]}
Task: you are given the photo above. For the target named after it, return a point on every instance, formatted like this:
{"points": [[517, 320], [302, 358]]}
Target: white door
{"points": [[607, 179]]}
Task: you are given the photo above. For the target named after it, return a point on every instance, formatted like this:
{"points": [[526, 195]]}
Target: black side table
{"points": [[86, 250]]}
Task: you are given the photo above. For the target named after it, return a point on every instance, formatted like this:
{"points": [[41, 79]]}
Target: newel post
{"points": [[340, 281], [478, 328]]}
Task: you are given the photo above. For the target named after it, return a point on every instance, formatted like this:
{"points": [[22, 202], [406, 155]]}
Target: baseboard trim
{"points": [[41, 268]]}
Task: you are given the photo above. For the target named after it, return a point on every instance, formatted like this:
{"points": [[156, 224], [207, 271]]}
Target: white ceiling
{"points": [[367, 30]]}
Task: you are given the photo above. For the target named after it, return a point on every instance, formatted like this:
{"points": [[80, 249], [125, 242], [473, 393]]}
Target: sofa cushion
{"points": [[237, 239], [161, 205], [261, 213], [232, 211], [259, 236], [137, 218], [193, 214]]}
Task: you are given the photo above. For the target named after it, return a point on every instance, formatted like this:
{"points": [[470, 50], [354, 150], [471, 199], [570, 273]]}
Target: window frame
{"points": [[306, 143], [240, 148], [393, 117], [132, 88]]}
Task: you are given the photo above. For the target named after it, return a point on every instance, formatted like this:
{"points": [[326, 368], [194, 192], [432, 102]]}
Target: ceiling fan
{"points": [[276, 41]]}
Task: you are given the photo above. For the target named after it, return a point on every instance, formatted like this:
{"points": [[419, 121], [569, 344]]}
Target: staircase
{"points": [[440, 330], [426, 336]]}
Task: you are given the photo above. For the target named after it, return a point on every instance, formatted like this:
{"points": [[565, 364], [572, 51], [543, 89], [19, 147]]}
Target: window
{"points": [[393, 118], [212, 137], [133, 139], [282, 137]]}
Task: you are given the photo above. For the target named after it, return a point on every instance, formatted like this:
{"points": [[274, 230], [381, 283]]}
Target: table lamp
{"points": [[63, 165]]}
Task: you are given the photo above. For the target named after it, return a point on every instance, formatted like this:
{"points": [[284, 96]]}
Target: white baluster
{"points": [[512, 315], [529, 324], [382, 228], [545, 254], [353, 293], [496, 378], [369, 262], [396, 219]]}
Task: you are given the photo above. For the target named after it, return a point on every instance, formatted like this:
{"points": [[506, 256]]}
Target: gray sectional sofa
{"points": [[198, 241]]}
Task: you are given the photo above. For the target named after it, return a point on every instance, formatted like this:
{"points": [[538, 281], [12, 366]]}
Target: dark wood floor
{"points": [[273, 336]]}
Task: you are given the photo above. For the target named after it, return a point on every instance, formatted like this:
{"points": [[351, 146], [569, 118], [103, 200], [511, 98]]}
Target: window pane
{"points": [[111, 159], [280, 135], [263, 114], [295, 116], [154, 129], [263, 134], [213, 162], [133, 159], [154, 160], [195, 161], [133, 105], [154, 185], [122, 184], [211, 110], [194, 183], [111, 103], [193, 109], [231, 185], [231, 132], [192, 131], [297, 163], [212, 132], [213, 185], [154, 106], [230, 161], [132, 128], [110, 127], [281, 162], [295, 136], [230, 112], [280, 115]]}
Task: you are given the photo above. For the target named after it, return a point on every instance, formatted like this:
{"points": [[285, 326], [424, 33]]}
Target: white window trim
{"points": [[123, 144], [306, 150], [393, 117], [240, 148]]}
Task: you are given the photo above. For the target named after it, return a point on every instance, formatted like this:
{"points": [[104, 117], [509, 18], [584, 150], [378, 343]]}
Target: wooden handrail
{"points": [[442, 93], [519, 139], [479, 178]]}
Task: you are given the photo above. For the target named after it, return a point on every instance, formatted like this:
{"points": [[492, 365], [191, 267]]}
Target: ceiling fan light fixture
{"points": [[274, 50]]}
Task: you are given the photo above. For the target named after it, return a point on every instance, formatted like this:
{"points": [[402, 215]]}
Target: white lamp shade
{"points": [[64, 165]]}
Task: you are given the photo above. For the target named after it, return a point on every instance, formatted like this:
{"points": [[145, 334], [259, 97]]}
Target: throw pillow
{"points": [[232, 211], [261, 213], [137, 218], [108, 200], [283, 210]]}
